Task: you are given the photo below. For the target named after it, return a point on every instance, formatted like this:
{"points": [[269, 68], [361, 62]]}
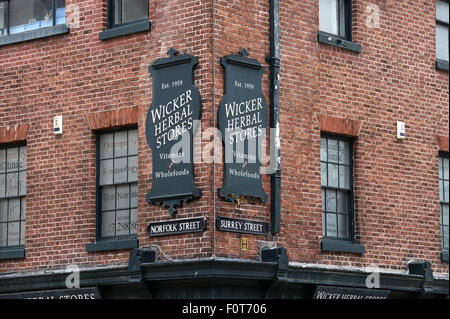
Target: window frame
{"points": [[444, 250], [117, 242], [15, 251], [55, 29], [442, 64], [114, 30], [337, 243], [338, 40]]}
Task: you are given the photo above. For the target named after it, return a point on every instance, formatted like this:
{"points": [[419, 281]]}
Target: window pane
{"points": [[3, 235], [445, 236], [2, 16], [23, 158], [344, 177], [442, 10], [2, 161], [332, 151], [23, 206], [123, 222], [333, 175], [344, 152], [331, 200], [323, 149], [12, 164], [123, 197], [120, 170], [108, 198], [2, 185], [445, 171], [133, 222], [323, 200], [22, 233], [106, 146], [13, 234], [14, 210], [108, 221], [30, 15], [3, 210], [12, 184], [134, 195], [324, 173], [130, 10], [342, 202], [120, 144], [331, 225], [440, 167], [132, 169], [343, 226], [60, 12], [441, 190], [22, 183], [446, 192], [106, 172], [328, 16], [444, 220], [442, 42], [132, 142]]}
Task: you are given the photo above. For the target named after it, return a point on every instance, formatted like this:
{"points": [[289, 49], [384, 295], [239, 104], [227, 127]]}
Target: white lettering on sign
{"points": [[172, 119]]}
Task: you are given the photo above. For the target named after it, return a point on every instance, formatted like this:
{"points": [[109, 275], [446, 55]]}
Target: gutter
{"points": [[274, 61]]}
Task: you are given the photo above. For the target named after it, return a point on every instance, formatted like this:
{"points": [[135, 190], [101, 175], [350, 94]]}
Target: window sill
{"points": [[138, 26], [17, 252], [341, 246], [112, 244], [334, 40], [34, 34], [444, 255], [442, 65]]}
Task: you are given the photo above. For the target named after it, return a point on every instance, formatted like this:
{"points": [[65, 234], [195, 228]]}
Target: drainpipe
{"points": [[274, 61]]}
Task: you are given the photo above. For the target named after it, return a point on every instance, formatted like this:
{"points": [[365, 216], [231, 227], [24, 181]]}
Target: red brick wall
{"points": [[394, 78]]}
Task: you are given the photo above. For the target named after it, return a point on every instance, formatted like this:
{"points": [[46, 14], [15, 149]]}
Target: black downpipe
{"points": [[274, 62]]}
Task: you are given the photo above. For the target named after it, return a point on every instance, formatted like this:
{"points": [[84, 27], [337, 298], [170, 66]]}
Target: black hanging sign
{"points": [[172, 120], [176, 226], [243, 226], [242, 121]]}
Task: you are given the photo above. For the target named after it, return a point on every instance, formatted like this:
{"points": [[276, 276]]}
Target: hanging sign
{"points": [[172, 120], [242, 120]]}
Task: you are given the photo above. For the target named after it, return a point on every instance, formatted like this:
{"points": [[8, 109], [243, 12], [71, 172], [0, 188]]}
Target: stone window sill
{"points": [[336, 41], [34, 34]]}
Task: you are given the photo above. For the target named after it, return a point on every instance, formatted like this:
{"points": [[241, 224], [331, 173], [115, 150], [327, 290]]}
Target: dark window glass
{"points": [[130, 10], [444, 198], [117, 174], [23, 15], [335, 160], [442, 23], [12, 195], [126, 11]]}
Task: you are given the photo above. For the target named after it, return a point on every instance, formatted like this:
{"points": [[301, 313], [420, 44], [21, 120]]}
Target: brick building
{"points": [[355, 206]]}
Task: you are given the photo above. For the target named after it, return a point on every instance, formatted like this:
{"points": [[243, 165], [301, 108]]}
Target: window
{"points": [[444, 199], [17, 16], [335, 158], [12, 196], [332, 17], [335, 24], [117, 180], [442, 22], [126, 17], [125, 11]]}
